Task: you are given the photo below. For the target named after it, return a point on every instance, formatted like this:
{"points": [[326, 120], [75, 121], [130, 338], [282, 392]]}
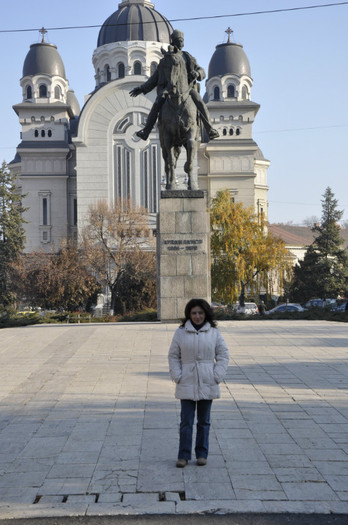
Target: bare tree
{"points": [[310, 221], [113, 238]]}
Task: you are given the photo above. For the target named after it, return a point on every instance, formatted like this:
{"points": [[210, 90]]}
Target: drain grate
{"points": [[65, 498]]}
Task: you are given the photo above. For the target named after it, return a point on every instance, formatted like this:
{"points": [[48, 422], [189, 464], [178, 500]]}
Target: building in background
{"points": [[69, 158]]}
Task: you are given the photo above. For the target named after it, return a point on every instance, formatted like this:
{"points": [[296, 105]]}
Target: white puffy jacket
{"points": [[198, 362]]}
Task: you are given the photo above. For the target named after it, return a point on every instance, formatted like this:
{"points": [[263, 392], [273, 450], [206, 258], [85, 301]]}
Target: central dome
{"points": [[135, 20]]}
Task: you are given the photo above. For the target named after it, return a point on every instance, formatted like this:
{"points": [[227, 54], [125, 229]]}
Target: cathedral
{"points": [[69, 157]]}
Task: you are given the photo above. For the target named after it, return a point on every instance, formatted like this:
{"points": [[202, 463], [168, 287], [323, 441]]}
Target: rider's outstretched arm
{"points": [[151, 83], [148, 86]]}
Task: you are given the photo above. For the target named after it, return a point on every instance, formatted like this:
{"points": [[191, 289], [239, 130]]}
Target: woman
{"points": [[198, 359]]}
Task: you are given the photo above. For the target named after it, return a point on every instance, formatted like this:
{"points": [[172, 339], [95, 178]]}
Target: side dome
{"points": [[135, 20], [43, 59], [229, 58], [73, 102]]}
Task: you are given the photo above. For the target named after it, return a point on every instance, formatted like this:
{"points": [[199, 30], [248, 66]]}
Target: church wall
{"points": [[98, 141], [261, 172], [40, 230], [241, 188], [43, 117]]}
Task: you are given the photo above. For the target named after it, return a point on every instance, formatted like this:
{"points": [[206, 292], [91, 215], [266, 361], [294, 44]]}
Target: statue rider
{"points": [[194, 73]]}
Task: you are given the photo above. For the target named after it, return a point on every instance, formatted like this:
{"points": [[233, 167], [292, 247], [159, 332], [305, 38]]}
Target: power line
{"points": [[196, 18]]}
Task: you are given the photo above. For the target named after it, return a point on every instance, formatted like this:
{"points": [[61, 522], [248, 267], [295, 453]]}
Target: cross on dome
{"points": [[43, 31], [229, 31]]}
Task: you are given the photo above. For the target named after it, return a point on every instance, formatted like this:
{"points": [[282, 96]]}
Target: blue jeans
{"points": [[188, 409]]}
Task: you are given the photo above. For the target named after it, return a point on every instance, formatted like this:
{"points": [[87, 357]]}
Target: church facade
{"points": [[69, 158]]}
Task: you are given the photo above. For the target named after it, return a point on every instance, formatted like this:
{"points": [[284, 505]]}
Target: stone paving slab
{"points": [[89, 423]]}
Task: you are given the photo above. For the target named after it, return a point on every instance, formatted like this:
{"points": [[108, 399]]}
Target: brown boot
{"points": [[181, 463], [201, 462]]}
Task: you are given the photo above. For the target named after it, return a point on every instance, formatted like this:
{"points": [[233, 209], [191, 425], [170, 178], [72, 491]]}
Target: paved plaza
{"points": [[89, 423]]}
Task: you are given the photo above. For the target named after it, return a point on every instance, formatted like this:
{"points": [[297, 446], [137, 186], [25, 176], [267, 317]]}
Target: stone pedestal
{"points": [[183, 251]]}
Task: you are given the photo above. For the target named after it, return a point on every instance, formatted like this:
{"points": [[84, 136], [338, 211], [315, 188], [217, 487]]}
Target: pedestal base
{"points": [[183, 252]]}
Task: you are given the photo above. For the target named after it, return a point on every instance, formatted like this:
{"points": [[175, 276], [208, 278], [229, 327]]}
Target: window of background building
{"points": [[75, 212], [43, 91], [137, 68], [121, 70], [230, 91]]}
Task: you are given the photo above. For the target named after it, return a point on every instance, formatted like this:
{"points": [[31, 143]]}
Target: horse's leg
{"points": [[190, 146], [171, 163]]}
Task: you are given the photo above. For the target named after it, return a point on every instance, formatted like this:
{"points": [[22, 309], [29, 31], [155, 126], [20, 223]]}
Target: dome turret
{"points": [[135, 20], [229, 59], [73, 103], [229, 78], [43, 58]]}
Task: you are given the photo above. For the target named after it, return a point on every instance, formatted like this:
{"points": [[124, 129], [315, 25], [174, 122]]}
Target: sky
{"points": [[298, 63]]}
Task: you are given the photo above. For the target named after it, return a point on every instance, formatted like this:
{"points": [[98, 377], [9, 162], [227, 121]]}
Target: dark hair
{"points": [[202, 303]]}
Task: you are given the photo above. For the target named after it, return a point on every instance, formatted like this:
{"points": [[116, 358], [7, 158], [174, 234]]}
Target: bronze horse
{"points": [[177, 120]]}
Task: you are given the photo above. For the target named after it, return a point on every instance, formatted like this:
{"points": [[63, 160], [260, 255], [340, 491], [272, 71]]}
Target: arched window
{"points": [[224, 132], [29, 92], [43, 91], [137, 68], [244, 93], [57, 92], [49, 133], [216, 93], [121, 70], [231, 131], [238, 131], [107, 73], [230, 91], [43, 133], [36, 133], [153, 68]]}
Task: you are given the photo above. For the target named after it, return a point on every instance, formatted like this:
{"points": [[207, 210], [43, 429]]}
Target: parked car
{"points": [[342, 307], [286, 307], [322, 303], [248, 309], [218, 306]]}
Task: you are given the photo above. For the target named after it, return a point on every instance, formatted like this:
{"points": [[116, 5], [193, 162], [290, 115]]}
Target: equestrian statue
{"points": [[177, 106]]}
